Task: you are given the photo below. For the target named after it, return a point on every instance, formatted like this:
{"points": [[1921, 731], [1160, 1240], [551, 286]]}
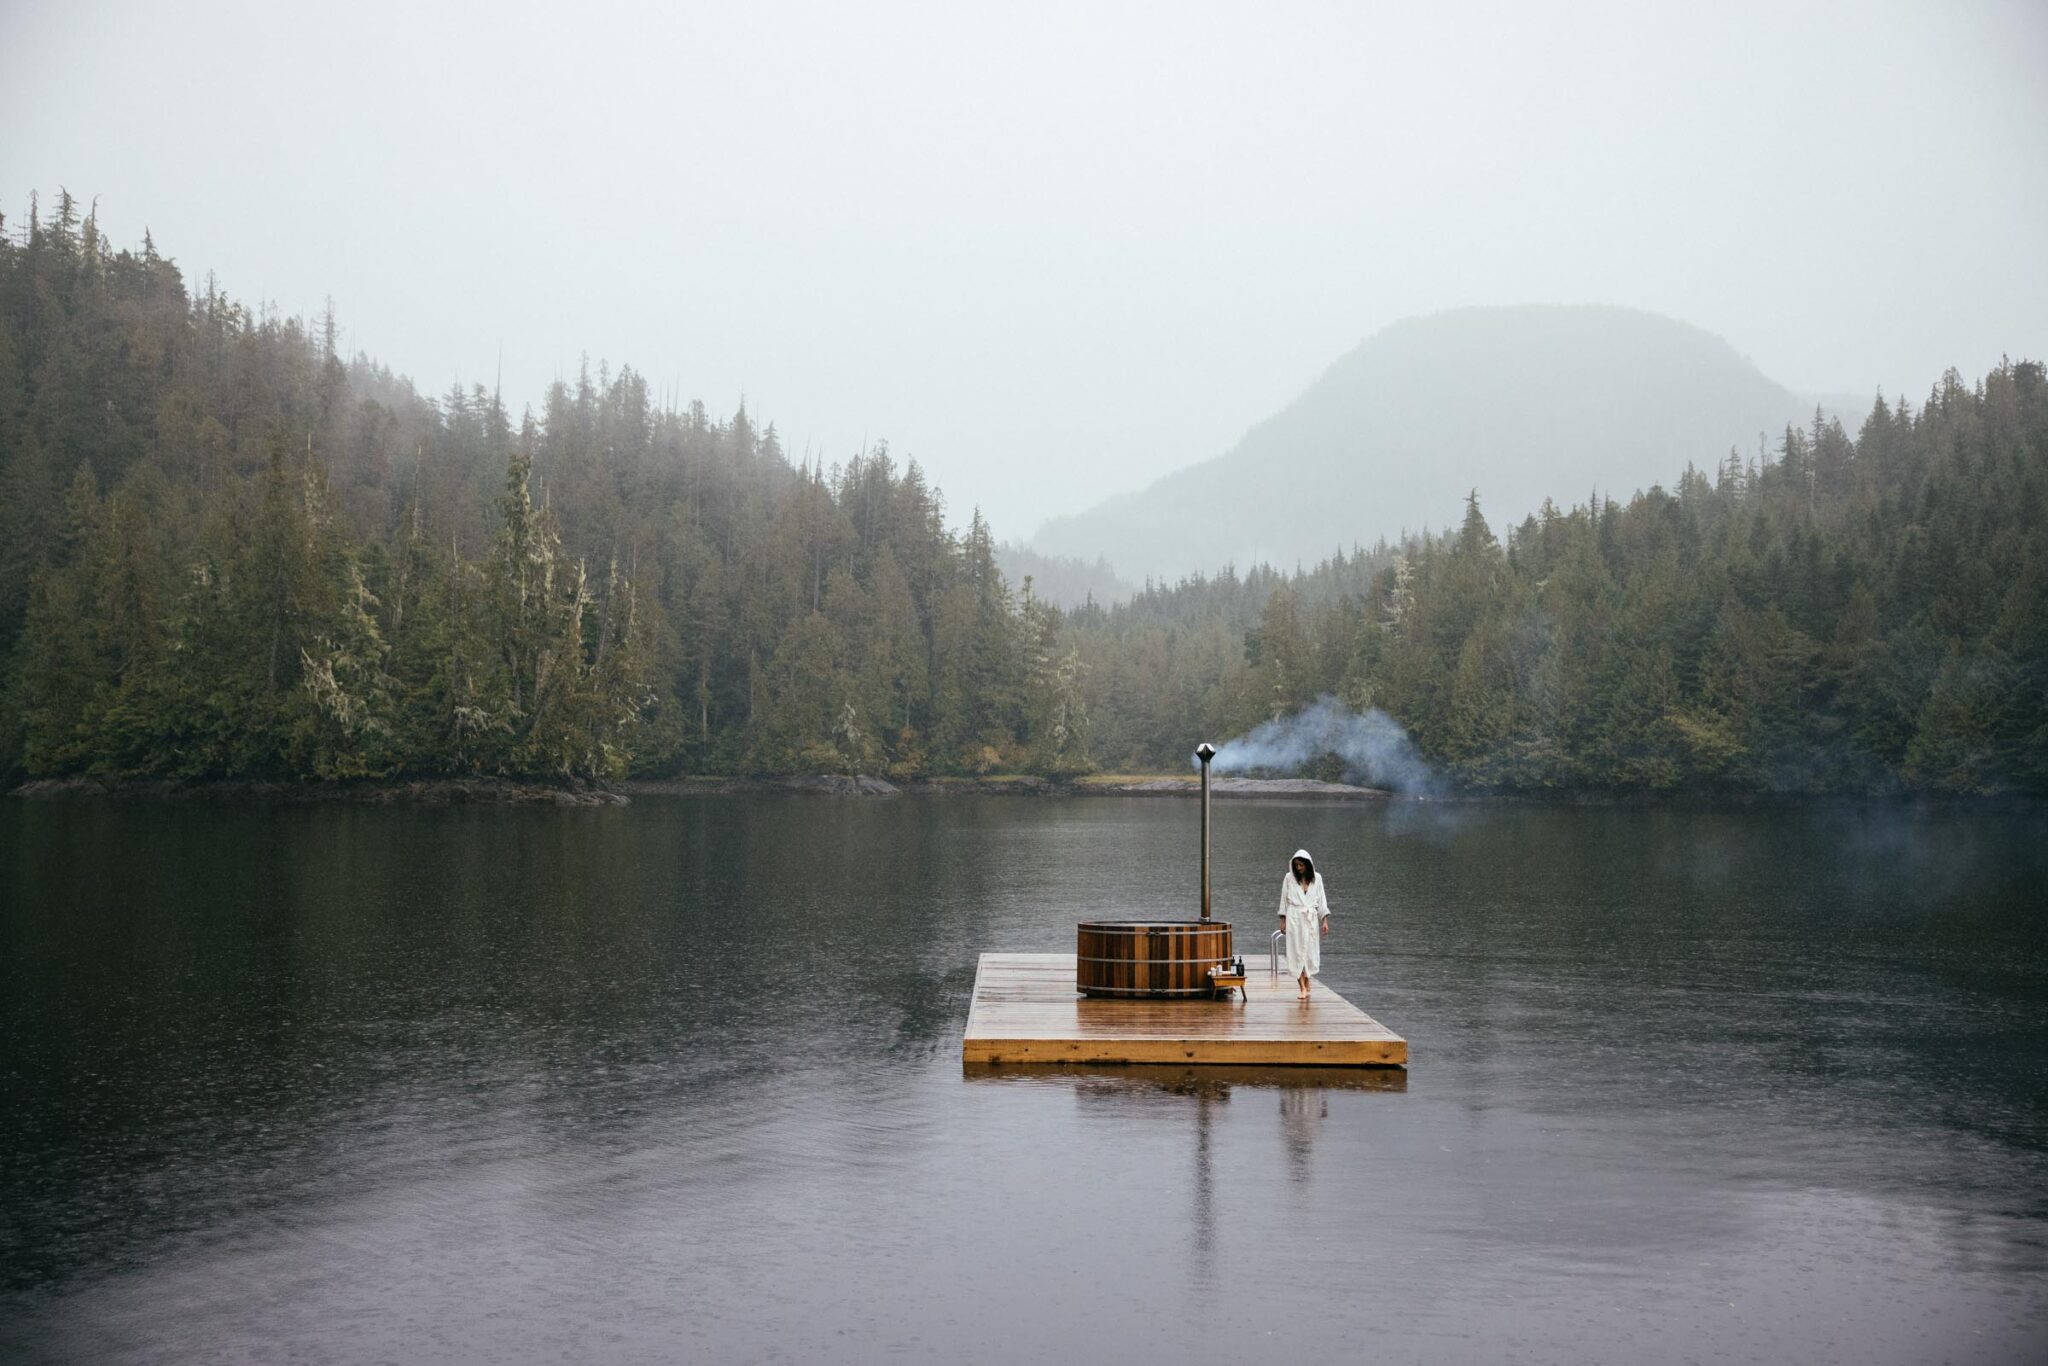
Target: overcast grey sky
{"points": [[1054, 251]]}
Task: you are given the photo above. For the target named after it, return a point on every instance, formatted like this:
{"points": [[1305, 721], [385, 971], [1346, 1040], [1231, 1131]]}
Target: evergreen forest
{"points": [[229, 551]]}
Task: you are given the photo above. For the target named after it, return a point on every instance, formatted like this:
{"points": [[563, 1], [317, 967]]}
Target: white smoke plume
{"points": [[1374, 749]]}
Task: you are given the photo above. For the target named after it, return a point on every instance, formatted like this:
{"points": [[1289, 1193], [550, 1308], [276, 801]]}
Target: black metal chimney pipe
{"points": [[1205, 752]]}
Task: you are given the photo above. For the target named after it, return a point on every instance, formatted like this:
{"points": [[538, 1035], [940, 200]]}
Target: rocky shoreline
{"points": [[511, 792], [526, 792], [861, 785], [848, 785], [1233, 787], [819, 784], [419, 792]]}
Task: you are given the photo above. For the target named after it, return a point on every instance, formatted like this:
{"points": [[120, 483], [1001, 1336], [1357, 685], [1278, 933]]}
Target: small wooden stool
{"points": [[1226, 977]]}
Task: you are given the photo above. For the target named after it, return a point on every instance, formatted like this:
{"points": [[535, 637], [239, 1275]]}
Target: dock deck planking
{"points": [[1025, 1010]]}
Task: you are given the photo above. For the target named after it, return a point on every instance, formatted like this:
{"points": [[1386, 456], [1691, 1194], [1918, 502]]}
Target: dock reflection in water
{"points": [[1303, 1095]]}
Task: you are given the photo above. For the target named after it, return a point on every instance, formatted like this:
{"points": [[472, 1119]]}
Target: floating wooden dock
{"points": [[1026, 1010]]}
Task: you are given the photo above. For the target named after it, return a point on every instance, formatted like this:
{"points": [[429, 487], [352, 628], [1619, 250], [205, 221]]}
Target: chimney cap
{"points": [[1205, 751]]}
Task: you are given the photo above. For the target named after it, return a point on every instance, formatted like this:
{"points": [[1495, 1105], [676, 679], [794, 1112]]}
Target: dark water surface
{"points": [[681, 1082]]}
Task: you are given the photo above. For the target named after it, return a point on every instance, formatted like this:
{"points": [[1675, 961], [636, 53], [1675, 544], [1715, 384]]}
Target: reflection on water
{"points": [[1302, 1094], [681, 1081], [1301, 1115]]}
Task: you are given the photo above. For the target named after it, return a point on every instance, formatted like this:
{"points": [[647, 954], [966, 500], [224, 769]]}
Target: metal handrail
{"points": [[1273, 953]]}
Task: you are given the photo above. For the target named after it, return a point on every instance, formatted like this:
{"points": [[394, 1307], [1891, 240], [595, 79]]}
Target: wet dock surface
{"points": [[1026, 1010]]}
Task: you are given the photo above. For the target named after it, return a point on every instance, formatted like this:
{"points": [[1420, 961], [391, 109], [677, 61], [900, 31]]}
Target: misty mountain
{"points": [[1520, 403], [1061, 580]]}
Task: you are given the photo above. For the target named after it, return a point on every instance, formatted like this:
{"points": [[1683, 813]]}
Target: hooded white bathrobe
{"points": [[1304, 909]]}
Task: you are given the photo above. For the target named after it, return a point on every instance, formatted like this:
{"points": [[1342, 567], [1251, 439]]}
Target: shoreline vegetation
{"points": [[232, 555], [578, 793]]}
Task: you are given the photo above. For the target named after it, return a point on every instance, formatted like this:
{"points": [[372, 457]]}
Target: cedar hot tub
{"points": [[1168, 958]]}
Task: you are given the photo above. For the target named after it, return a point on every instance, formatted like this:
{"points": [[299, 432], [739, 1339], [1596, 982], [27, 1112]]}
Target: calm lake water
{"points": [[681, 1081]]}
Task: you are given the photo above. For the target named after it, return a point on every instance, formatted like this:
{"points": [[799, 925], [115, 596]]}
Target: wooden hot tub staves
{"points": [[1149, 958]]}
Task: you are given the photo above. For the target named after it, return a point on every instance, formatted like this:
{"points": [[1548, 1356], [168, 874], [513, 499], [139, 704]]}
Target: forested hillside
{"points": [[232, 552], [226, 550], [1852, 616]]}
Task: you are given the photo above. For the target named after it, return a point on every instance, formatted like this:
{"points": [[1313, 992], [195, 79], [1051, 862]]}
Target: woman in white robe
{"points": [[1305, 915]]}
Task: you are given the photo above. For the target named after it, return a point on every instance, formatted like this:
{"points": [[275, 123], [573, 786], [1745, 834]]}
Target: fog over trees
{"points": [[1062, 253], [232, 551]]}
